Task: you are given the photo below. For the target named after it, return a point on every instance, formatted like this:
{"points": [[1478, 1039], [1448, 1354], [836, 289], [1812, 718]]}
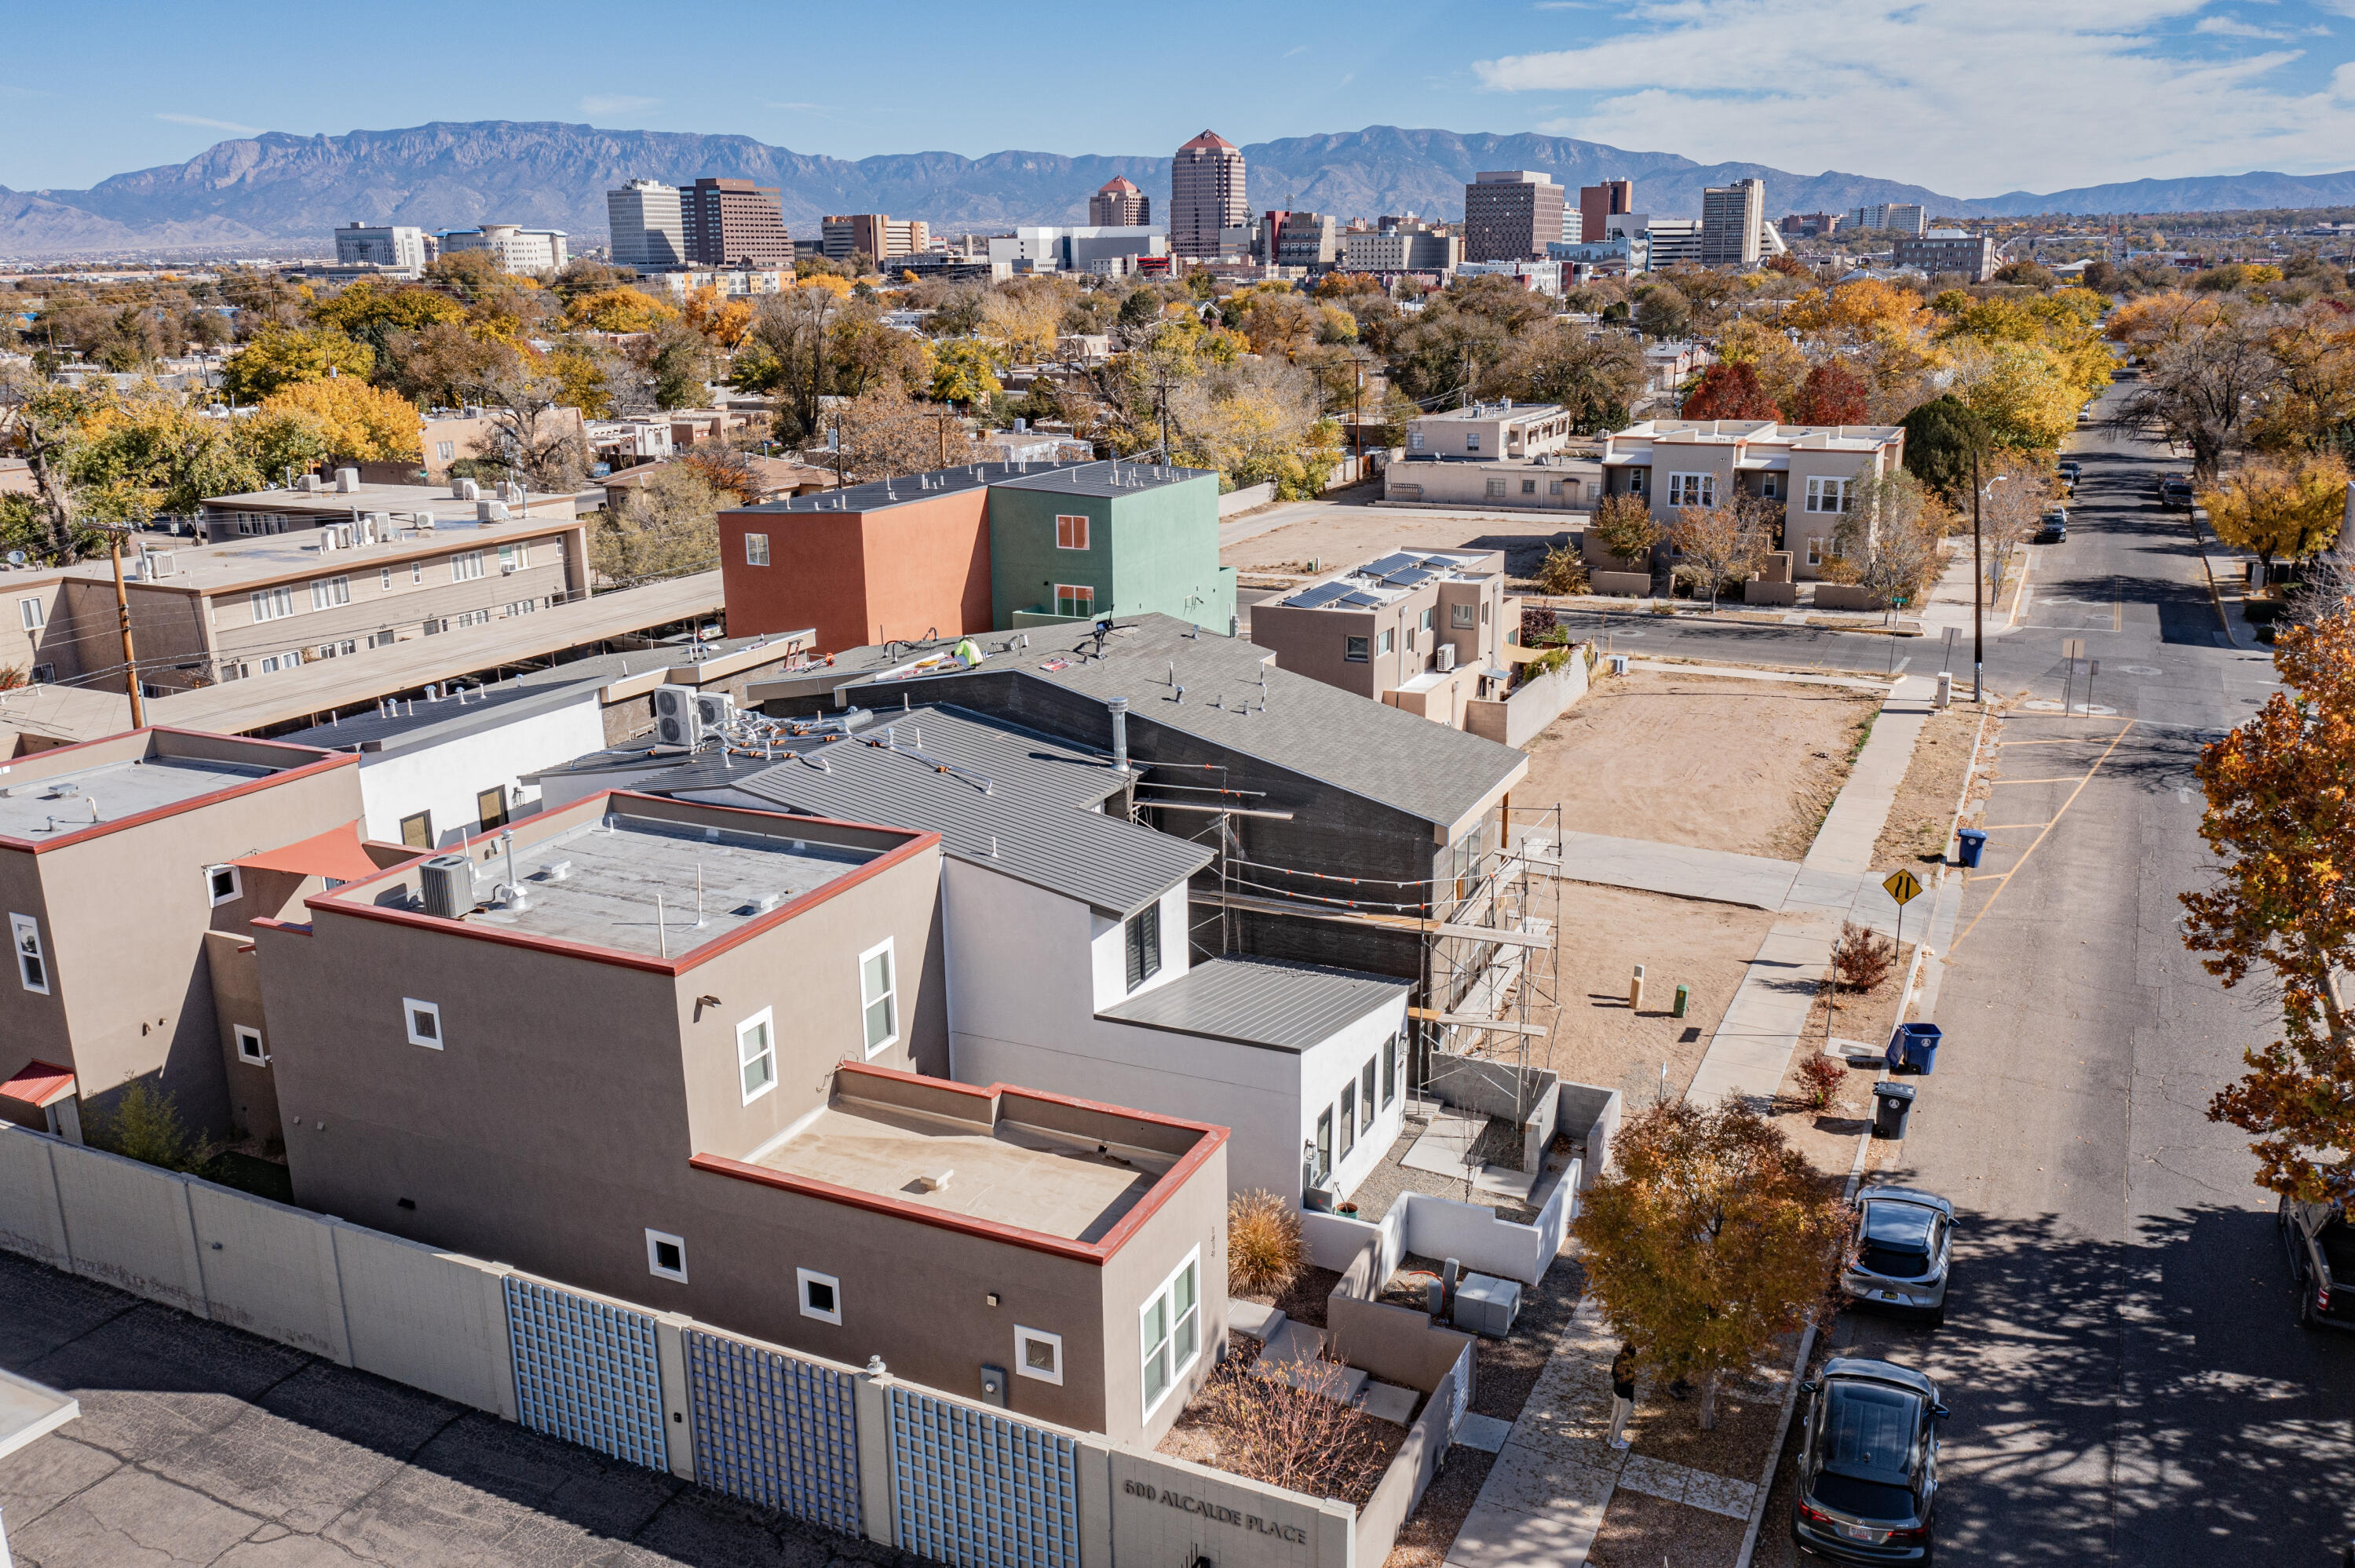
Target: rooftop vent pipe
{"points": [[1119, 706]]}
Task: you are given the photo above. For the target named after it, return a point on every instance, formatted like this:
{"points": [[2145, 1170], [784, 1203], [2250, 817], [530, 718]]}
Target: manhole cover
{"points": [[2140, 670]]}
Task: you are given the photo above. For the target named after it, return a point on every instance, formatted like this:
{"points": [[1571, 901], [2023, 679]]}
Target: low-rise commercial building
{"points": [[1049, 248], [396, 249], [1422, 631], [517, 249], [1485, 430], [1942, 251], [1559, 482]]}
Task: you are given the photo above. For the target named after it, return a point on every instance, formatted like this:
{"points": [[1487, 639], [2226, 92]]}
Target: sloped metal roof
{"points": [[1261, 1001]]}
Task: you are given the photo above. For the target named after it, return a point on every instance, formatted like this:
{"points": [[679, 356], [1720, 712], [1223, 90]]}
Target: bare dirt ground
{"points": [[1828, 1135], [1604, 933], [1347, 536], [1641, 1531], [1739, 765], [1921, 817]]}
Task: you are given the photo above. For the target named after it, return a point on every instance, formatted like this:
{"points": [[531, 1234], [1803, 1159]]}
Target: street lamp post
{"points": [[1978, 582]]}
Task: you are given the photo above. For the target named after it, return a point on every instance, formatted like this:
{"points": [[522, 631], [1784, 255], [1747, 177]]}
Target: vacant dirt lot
{"points": [[1710, 761], [1347, 536]]}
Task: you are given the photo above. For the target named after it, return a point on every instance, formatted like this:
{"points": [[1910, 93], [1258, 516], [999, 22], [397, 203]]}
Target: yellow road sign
{"points": [[1903, 886]]}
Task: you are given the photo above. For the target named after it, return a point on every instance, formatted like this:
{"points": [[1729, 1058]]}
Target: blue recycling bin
{"points": [[1912, 1048], [1968, 843]]}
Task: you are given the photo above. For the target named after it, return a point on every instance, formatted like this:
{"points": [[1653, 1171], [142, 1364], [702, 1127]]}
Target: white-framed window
{"points": [[513, 557], [1070, 533], [1390, 1053], [1383, 643], [337, 649], [270, 603], [1471, 441], [1074, 599], [33, 613], [1354, 649], [665, 1255], [424, 1021], [1770, 485], [1037, 1353], [1493, 490], [1529, 486], [1427, 614], [221, 884], [1814, 550], [273, 662], [1170, 1330], [1414, 441], [756, 549], [1462, 614], [384, 579], [1349, 1117], [445, 451], [249, 1045], [756, 1055], [1692, 490], [820, 1296], [32, 963], [1827, 495], [1635, 482], [329, 592], [466, 567], [1366, 1095], [879, 997]]}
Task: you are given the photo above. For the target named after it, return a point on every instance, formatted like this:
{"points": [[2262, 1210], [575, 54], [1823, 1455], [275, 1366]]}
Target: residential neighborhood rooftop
{"points": [[328, 501], [58, 805], [1259, 1001], [1386, 580], [881, 492], [233, 564]]}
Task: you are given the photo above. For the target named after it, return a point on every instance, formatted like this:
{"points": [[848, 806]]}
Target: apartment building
{"points": [[761, 1000], [1944, 250], [1598, 201], [875, 235], [1308, 239], [1511, 215], [1420, 630], [1809, 471], [395, 248], [1207, 196], [272, 602], [1482, 431], [517, 249], [118, 857], [989, 545], [1401, 248], [734, 223], [1733, 224], [1118, 204], [347, 498], [649, 225], [1905, 217]]}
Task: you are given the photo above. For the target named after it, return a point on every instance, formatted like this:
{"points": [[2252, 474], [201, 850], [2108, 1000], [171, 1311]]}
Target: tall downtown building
{"points": [[1511, 215], [1206, 194], [1733, 224], [645, 220]]}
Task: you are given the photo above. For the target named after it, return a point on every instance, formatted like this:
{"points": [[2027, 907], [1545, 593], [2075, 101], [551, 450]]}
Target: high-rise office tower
{"points": [[1596, 202], [1511, 215], [734, 223], [1206, 194], [648, 229], [1733, 224], [1119, 204]]}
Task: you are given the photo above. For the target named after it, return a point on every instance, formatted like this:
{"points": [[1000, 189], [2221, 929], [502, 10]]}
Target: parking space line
{"points": [[2063, 740], [2064, 778], [2038, 842], [2009, 827]]}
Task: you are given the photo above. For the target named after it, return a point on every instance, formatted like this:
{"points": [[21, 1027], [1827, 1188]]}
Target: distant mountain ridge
{"points": [[275, 189]]}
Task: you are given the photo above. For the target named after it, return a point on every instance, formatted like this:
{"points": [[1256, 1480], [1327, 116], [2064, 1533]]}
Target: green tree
{"points": [[145, 1125], [373, 313], [1940, 437], [280, 357]]}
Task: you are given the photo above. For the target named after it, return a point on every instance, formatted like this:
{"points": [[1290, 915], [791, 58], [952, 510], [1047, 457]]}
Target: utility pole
{"points": [[122, 616], [1357, 425], [834, 440], [1978, 589], [945, 438]]}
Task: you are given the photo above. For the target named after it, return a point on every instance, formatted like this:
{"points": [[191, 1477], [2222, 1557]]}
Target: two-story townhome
{"points": [[1422, 631], [1516, 456], [695, 1056], [1806, 471]]}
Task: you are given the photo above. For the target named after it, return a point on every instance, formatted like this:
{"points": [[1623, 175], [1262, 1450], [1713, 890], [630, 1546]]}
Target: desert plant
{"points": [[1291, 1438], [1562, 572], [145, 1125], [1862, 959], [1820, 1080], [1265, 1252]]}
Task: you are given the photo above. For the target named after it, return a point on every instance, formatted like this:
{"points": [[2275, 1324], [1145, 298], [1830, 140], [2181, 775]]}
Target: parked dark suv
{"points": [[2321, 1247], [1867, 1485]]}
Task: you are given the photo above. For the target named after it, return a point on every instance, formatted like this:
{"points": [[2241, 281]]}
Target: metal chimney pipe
{"points": [[1119, 706]]}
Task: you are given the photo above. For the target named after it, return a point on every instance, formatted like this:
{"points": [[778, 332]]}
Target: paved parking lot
{"points": [[200, 1445]]}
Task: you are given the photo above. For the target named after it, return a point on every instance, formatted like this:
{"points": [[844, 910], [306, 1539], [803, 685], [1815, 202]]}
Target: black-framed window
{"points": [[1144, 943]]}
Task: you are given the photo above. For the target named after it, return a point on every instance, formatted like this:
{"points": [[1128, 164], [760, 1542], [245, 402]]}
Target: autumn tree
{"points": [[2290, 508], [886, 434], [1780, 366], [528, 439], [964, 372], [2281, 816], [1594, 380], [1624, 525], [622, 309], [40, 421], [1707, 1238], [359, 422], [1717, 544], [1886, 536], [2201, 390], [1730, 391], [280, 357], [666, 526], [374, 314], [1832, 394]]}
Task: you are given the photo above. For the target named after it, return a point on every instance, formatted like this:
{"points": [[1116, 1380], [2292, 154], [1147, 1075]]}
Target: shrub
{"points": [[1863, 957], [1265, 1250], [1562, 572], [145, 1125], [1820, 1080], [1287, 1436]]}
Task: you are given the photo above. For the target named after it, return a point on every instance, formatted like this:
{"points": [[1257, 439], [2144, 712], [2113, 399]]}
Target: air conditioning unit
{"points": [[447, 884], [714, 711], [1444, 658], [677, 719]]}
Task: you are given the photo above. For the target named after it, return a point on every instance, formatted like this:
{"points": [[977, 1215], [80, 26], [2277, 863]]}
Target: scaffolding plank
{"points": [[1367, 918], [1502, 1026]]}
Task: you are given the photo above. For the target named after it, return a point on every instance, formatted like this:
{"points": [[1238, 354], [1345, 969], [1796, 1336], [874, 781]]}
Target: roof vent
{"points": [[555, 871], [348, 480], [930, 1183]]}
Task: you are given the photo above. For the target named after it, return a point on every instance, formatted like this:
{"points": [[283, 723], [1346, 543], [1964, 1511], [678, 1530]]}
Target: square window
{"points": [[417, 831], [1529, 487], [249, 1045], [1471, 441], [666, 1256], [1074, 601], [1143, 940], [820, 1296], [1353, 648], [1037, 1353], [445, 450], [756, 1055], [879, 998], [1070, 533], [756, 549], [424, 1020], [220, 884], [1461, 614], [1495, 489]]}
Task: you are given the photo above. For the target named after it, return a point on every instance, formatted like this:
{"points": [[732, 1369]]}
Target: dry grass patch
{"points": [[1265, 1251], [1921, 817], [1292, 1437]]}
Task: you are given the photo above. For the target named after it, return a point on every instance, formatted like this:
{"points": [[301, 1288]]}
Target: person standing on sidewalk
{"points": [[1622, 1393]]}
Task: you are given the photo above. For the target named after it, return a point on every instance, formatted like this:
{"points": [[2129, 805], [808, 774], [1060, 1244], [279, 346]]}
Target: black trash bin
{"points": [[1968, 844], [1891, 1104]]}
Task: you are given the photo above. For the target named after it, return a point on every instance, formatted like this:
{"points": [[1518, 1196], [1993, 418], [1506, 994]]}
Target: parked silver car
{"points": [[1905, 1241]]}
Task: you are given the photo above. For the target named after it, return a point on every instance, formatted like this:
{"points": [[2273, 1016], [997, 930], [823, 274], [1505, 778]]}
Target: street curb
{"points": [[2215, 594], [1774, 1456]]}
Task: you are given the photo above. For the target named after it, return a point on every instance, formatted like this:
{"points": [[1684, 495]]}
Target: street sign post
{"points": [[2072, 649], [1905, 887]]}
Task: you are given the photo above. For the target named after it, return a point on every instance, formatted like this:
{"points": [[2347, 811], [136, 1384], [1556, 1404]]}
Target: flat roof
{"points": [[57, 806], [595, 884], [1267, 1003], [1387, 578], [1006, 1173], [1510, 411], [433, 720], [433, 498], [236, 564], [1104, 478], [876, 494]]}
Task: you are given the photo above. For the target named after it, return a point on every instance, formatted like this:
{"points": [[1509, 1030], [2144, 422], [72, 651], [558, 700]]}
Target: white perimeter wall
{"points": [[445, 778]]}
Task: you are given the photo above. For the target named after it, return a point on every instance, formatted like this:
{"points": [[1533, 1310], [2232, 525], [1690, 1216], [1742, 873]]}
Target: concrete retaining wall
{"points": [[1756, 591], [1246, 498], [1526, 1096], [1592, 1116], [1475, 1238], [1847, 595], [1636, 584]]}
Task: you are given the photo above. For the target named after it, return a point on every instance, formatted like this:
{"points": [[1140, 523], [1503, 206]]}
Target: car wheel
{"points": [[2305, 1306], [1938, 1316]]}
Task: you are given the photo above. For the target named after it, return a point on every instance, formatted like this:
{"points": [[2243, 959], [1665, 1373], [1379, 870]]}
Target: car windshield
{"points": [[1869, 1433]]}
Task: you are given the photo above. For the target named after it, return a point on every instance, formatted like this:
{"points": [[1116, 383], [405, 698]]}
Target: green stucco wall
{"points": [[1151, 550]]}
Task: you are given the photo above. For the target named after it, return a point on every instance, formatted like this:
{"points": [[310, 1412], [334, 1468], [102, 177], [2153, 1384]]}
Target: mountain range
{"points": [[274, 190]]}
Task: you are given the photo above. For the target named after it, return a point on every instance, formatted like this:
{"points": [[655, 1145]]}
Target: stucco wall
{"points": [[445, 778]]}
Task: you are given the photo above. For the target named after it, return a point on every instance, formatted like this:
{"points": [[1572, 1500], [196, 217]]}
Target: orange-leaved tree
{"points": [[2281, 812], [1710, 1237], [1730, 390]]}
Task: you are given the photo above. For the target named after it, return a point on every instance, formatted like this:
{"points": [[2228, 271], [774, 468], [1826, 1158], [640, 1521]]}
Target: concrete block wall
{"points": [[1847, 595], [1634, 584]]}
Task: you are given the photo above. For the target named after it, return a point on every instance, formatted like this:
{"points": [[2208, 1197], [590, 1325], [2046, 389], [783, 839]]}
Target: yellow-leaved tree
{"points": [[359, 421], [2293, 507], [619, 310]]}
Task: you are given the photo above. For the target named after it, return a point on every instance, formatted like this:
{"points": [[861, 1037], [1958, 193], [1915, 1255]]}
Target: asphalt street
{"points": [[2128, 1383]]}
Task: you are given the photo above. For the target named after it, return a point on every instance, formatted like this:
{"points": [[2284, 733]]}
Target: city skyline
{"points": [[2043, 99]]}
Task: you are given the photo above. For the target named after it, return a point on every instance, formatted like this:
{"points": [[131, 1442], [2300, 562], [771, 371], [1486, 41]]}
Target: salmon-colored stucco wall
{"points": [[861, 576]]}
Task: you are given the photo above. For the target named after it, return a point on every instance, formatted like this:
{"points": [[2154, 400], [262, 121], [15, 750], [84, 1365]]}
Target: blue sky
{"points": [[1969, 96]]}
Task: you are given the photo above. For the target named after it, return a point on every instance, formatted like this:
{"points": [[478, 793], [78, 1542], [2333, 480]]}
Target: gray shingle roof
{"points": [[1400, 760], [1261, 1001]]}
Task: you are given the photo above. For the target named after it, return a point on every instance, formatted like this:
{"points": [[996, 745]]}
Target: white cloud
{"points": [[211, 124], [2342, 83], [2227, 27], [615, 103], [1294, 49], [2004, 95]]}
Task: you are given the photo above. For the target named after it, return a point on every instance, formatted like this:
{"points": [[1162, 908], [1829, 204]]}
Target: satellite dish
{"points": [[15, 557]]}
